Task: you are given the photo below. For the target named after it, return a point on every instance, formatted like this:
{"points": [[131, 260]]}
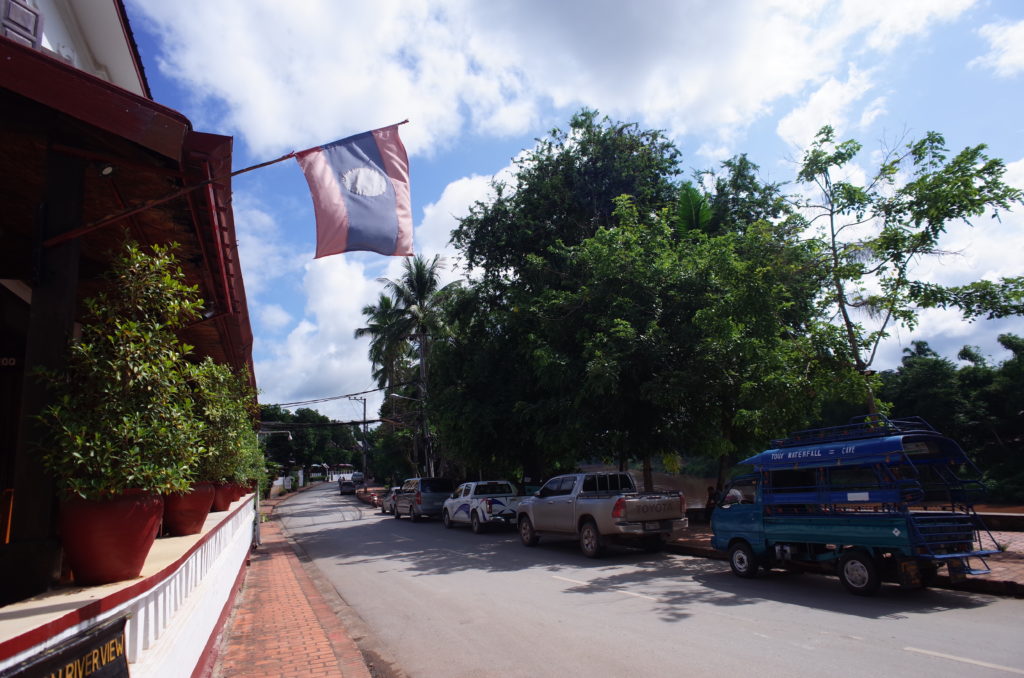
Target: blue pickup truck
{"points": [[877, 499]]}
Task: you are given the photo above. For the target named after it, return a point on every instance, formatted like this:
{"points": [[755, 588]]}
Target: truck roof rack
{"points": [[863, 426]]}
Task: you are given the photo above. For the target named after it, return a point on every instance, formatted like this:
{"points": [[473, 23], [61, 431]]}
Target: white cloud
{"points": [[441, 217], [887, 24], [828, 105], [273, 317], [321, 356], [1006, 48], [292, 75], [265, 254]]}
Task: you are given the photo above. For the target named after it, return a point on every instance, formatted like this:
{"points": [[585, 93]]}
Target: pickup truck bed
{"points": [[598, 508]]}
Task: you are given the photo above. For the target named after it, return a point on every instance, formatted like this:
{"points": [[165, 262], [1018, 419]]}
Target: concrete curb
{"points": [[973, 585]]}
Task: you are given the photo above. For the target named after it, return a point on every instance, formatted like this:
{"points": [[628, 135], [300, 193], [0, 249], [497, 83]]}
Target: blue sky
{"points": [[479, 81]]}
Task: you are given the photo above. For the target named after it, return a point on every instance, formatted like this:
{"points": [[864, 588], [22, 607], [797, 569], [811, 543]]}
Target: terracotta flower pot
{"points": [[107, 540], [223, 496], [186, 513]]}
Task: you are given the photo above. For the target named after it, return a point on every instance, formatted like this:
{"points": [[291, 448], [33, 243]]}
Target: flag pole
{"points": [[89, 228]]}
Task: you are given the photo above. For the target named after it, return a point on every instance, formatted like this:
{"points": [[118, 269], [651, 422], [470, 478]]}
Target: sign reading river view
{"points": [[96, 653]]}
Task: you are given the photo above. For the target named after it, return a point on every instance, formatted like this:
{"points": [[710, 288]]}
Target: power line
{"points": [[281, 425], [314, 401]]}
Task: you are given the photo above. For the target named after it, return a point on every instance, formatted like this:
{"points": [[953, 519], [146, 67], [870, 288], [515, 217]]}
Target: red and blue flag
{"points": [[361, 199]]}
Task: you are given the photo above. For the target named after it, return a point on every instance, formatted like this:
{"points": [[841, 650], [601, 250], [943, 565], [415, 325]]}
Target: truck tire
{"points": [[475, 524], [742, 560], [591, 541], [859, 573], [527, 535], [446, 520]]}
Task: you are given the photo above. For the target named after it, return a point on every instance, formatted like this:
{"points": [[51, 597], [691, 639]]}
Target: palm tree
{"points": [[407, 315], [388, 348]]}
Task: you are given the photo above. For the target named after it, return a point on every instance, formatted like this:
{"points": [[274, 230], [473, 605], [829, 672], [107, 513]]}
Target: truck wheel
{"points": [[526, 532], [591, 542], [475, 524], [859, 573], [446, 520], [742, 561]]}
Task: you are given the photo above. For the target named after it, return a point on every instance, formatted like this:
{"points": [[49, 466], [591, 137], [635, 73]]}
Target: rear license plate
{"points": [[652, 525]]}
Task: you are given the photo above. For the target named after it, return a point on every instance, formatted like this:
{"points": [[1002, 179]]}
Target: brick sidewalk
{"points": [[281, 625]]}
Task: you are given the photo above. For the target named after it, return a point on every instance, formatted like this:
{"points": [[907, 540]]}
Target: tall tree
{"points": [[564, 189], [872, 234], [416, 316]]}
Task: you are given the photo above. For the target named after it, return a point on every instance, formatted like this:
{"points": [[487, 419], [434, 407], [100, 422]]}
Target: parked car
{"points": [[422, 497], [346, 487], [480, 504], [875, 500], [600, 507], [387, 503]]}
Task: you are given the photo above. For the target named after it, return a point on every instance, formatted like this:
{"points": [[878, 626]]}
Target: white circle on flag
{"points": [[365, 181]]}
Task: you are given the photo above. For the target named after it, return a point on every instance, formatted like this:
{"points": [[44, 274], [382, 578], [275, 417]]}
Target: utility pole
{"points": [[366, 469]]}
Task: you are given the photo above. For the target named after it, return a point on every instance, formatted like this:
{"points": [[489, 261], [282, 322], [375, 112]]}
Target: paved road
{"points": [[448, 603]]}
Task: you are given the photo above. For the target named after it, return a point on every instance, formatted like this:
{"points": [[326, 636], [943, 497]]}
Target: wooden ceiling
{"points": [[133, 151]]}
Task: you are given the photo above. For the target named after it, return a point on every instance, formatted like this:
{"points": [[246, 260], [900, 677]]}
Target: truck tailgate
{"points": [[652, 507]]}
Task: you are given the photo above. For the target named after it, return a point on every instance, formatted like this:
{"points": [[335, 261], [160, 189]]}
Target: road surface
{"points": [[452, 604]]}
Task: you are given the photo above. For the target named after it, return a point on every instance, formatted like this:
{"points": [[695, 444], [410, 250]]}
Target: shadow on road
{"points": [[344, 531]]}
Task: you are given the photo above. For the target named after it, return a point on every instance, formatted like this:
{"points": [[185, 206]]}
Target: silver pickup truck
{"points": [[598, 508]]}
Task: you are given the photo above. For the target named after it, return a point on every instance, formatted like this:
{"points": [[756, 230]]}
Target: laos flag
{"points": [[360, 188]]}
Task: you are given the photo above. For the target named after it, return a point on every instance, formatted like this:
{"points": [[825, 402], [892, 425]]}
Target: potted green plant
{"points": [[122, 427], [226, 403]]}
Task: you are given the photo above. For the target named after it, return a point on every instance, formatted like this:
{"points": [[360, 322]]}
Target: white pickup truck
{"points": [[481, 504], [598, 508]]}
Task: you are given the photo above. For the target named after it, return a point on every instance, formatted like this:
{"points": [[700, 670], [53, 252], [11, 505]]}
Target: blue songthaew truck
{"points": [[876, 500]]}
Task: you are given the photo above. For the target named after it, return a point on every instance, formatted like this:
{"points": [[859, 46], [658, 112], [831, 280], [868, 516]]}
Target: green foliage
{"points": [[564, 190], [871, 235], [977, 404], [122, 416], [402, 326], [226, 406], [313, 439], [632, 327]]}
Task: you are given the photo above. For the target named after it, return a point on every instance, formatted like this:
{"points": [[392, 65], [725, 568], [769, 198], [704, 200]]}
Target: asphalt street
{"points": [[449, 603]]}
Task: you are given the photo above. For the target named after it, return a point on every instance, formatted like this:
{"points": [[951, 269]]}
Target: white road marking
{"points": [[975, 662], [616, 590], [571, 581]]}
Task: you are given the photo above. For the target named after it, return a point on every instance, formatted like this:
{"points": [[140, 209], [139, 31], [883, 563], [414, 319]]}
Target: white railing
{"points": [[173, 609]]}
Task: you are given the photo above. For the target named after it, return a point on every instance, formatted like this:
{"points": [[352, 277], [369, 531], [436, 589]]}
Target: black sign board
{"points": [[96, 653]]}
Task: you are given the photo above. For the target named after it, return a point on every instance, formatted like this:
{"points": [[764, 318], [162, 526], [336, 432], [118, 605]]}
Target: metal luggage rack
{"points": [[864, 426]]}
